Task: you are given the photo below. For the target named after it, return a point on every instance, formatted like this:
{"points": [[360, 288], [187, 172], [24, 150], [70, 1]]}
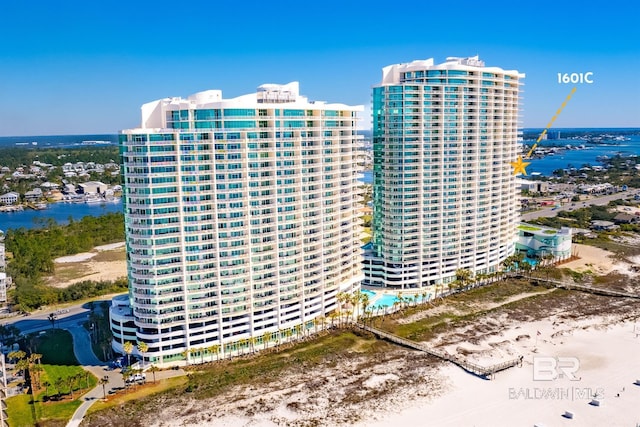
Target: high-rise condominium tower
{"points": [[241, 221], [444, 194]]}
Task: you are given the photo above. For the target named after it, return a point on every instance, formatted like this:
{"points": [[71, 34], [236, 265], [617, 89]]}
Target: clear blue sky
{"points": [[73, 67]]}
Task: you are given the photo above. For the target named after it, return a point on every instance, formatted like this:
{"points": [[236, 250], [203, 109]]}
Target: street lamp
{"points": [[104, 381]]}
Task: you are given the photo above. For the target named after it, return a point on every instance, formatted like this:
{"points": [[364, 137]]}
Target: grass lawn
{"points": [[58, 361], [57, 411], [20, 411], [56, 347]]}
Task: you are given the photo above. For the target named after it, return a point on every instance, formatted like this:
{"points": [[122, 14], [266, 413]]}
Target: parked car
{"points": [[137, 377]]}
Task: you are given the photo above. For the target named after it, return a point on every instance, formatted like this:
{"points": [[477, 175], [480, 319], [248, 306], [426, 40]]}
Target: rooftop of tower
{"points": [[274, 95], [391, 74]]}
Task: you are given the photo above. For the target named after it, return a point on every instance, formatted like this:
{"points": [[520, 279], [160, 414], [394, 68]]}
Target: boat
{"points": [[93, 199]]}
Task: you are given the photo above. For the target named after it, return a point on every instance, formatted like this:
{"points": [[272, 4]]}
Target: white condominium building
{"points": [[241, 221], [444, 194]]}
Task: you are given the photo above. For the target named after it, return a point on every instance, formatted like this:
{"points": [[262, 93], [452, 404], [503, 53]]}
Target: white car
{"points": [[137, 377]]}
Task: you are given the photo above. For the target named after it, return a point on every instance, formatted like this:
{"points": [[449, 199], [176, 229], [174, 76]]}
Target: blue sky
{"points": [[74, 67]]}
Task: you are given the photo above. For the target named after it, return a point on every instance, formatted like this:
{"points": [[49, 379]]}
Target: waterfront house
{"points": [[33, 195], [10, 198], [95, 187]]}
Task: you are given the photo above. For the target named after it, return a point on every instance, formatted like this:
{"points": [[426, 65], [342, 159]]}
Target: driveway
{"points": [[89, 361]]}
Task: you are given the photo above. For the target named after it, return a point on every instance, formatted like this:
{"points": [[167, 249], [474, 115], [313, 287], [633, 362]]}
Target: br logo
{"points": [[549, 368]]}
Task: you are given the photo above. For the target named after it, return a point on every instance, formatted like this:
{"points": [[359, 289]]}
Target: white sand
{"points": [[609, 361], [84, 256], [92, 269]]}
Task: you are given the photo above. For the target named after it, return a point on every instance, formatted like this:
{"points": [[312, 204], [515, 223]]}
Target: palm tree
{"points": [[143, 347], [34, 372], [364, 301], [126, 374], [185, 353], [193, 352], [317, 321], [464, 277], [252, 343], [46, 384], [153, 369], [298, 330], [16, 355], [71, 380], [128, 348], [215, 349], [332, 316], [104, 381], [400, 299], [526, 268], [59, 382], [265, 339]]}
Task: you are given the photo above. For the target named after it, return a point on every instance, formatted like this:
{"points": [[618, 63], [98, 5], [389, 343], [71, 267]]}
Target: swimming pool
{"points": [[368, 292], [386, 300]]}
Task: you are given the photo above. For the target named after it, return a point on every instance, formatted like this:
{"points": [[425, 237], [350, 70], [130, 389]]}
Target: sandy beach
{"points": [[608, 357], [579, 367]]}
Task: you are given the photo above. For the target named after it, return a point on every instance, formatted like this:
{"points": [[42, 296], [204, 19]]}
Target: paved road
{"points": [[88, 360], [599, 201], [39, 320], [72, 319]]}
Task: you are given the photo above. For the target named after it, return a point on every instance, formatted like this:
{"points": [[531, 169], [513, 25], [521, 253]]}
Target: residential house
{"points": [[9, 198], [623, 218]]}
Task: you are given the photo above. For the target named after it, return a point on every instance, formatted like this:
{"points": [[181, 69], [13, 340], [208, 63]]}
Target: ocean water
{"points": [[52, 141], [59, 212]]}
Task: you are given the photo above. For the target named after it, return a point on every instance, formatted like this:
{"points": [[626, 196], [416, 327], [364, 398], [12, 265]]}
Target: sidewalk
{"points": [[89, 361]]}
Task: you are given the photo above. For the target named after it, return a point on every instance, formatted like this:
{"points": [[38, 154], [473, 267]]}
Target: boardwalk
{"points": [[586, 288], [481, 371]]}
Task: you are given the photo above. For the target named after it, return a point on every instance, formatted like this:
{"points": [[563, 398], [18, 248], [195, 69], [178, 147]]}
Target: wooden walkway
{"points": [[481, 371], [586, 288]]}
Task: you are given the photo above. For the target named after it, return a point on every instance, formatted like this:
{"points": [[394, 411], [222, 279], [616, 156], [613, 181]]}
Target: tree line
{"points": [[14, 157], [31, 254]]}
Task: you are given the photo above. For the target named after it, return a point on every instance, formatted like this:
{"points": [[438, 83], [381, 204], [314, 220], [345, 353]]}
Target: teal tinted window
{"points": [[456, 73], [208, 125], [235, 124], [293, 113], [294, 123], [161, 137], [239, 112], [206, 114]]}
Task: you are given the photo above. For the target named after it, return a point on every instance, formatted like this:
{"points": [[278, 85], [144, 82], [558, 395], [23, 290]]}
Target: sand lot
{"points": [[106, 262]]}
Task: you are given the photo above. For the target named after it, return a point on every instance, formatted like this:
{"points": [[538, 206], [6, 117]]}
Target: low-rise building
{"points": [[10, 198], [624, 218], [94, 187], [538, 241], [604, 225], [33, 195]]}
